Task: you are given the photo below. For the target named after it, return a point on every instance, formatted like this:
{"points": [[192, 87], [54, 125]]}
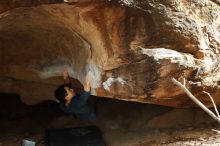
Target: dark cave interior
{"points": [[115, 119]]}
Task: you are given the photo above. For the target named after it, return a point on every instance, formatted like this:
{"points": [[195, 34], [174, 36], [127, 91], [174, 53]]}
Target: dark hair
{"points": [[60, 92]]}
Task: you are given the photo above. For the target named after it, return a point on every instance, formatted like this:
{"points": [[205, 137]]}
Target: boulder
{"points": [[133, 49]]}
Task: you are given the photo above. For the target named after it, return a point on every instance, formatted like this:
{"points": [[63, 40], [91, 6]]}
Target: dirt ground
{"points": [[122, 123]]}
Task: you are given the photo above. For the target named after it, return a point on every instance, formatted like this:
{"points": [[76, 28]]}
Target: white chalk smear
{"points": [[128, 2], [183, 59], [56, 70], [208, 65], [95, 73], [112, 80]]}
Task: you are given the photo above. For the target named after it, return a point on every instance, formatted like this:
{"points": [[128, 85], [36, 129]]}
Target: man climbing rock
{"points": [[75, 101]]}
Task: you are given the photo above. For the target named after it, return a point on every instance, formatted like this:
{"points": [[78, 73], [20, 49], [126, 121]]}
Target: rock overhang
{"points": [[132, 53]]}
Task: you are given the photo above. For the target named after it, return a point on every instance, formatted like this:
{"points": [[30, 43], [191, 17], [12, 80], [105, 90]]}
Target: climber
{"points": [[75, 101]]}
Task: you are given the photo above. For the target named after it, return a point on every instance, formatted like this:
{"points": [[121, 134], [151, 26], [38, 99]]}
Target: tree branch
{"points": [[216, 110], [196, 100]]}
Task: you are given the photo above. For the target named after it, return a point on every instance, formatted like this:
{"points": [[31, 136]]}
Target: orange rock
{"points": [[133, 54]]}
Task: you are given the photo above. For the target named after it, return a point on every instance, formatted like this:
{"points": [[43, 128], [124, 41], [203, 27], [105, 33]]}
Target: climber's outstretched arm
{"points": [[87, 82], [66, 76]]}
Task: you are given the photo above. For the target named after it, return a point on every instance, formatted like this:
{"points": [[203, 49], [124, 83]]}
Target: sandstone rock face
{"points": [[133, 51], [10, 4]]}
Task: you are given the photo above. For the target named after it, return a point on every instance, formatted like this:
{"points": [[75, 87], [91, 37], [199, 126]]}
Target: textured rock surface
{"points": [[133, 51], [10, 4]]}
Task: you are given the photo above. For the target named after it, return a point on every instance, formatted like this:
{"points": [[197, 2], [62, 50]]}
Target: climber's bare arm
{"points": [[66, 76], [87, 82]]}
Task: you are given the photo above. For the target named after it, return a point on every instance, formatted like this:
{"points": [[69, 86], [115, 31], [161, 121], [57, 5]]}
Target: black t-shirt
{"points": [[79, 106]]}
